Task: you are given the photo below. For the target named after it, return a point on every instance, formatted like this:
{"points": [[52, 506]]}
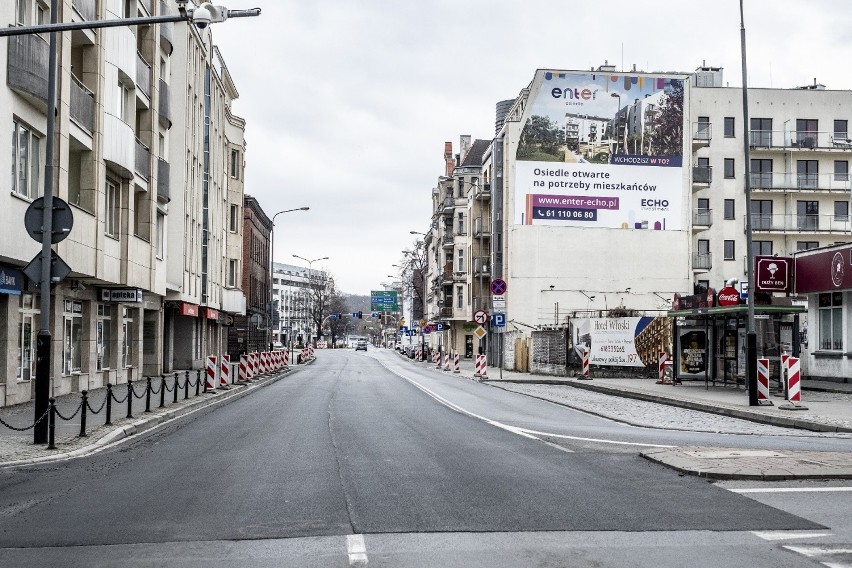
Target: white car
{"points": [[361, 345]]}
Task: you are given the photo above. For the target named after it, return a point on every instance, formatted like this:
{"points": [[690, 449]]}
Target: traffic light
{"points": [[360, 315]]}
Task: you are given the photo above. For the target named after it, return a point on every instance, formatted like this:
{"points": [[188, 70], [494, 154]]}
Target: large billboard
{"points": [[610, 341], [604, 151]]}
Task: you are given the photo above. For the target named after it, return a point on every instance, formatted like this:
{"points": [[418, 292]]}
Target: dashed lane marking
{"points": [[791, 490], [788, 535], [357, 550]]}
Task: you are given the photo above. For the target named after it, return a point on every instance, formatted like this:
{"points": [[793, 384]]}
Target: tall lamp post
{"points": [[310, 264], [201, 16], [272, 264]]}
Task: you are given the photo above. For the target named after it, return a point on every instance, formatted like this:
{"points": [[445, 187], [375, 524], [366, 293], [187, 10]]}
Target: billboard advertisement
{"points": [[602, 150], [611, 341]]}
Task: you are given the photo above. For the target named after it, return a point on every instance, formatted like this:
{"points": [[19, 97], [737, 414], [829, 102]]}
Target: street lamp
{"points": [[310, 262], [272, 265], [616, 121], [45, 257]]}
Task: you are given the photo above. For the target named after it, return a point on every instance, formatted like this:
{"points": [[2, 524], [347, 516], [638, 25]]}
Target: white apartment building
{"points": [[130, 161], [292, 291]]}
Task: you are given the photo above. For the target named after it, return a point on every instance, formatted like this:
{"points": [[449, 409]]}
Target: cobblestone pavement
{"points": [[649, 414]]}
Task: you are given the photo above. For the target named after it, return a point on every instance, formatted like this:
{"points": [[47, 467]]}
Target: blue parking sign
{"points": [[498, 320]]}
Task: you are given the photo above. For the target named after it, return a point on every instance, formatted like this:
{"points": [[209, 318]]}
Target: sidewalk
{"points": [[17, 447], [828, 409]]}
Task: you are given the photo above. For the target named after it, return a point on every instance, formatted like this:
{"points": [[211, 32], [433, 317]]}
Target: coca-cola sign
{"points": [[728, 296]]}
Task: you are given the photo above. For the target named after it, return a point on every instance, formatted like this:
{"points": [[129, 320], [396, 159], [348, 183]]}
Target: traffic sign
{"points": [[499, 287], [480, 317], [439, 327], [480, 332], [498, 303], [498, 320]]}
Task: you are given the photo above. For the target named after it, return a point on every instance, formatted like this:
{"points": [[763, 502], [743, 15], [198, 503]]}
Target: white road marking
{"points": [[525, 432], [357, 550], [786, 535], [812, 551], [791, 490]]}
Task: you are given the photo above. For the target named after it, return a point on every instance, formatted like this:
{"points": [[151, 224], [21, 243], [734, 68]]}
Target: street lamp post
{"points": [[202, 17], [310, 264], [272, 264], [616, 121]]}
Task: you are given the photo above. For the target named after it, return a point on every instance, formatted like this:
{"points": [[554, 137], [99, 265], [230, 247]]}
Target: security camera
{"points": [[202, 17]]}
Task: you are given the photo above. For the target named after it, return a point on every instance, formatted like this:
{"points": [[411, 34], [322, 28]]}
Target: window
{"points": [[760, 174], [841, 129], [703, 204], [461, 224], [807, 174], [807, 215], [761, 214], [122, 94], [730, 212], [729, 127], [27, 339], [235, 164], [459, 296], [762, 248], [761, 131], [26, 160], [703, 246], [72, 339], [729, 250], [830, 315], [103, 337], [28, 12], [461, 187], [841, 211], [161, 235], [460, 265], [702, 131], [701, 286], [729, 167], [841, 170], [111, 209], [233, 225], [806, 133], [232, 273], [127, 350], [806, 245]]}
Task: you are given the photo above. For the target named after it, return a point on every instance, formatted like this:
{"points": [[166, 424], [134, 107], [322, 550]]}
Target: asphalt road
{"points": [[361, 458]]}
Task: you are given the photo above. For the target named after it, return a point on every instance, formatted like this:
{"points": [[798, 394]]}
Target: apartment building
{"points": [[293, 291], [131, 161]]}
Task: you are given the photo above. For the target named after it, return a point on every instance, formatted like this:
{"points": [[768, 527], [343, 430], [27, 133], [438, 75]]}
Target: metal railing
{"points": [[27, 65], [702, 217], [480, 266], [802, 139], [143, 160], [143, 74], [82, 105], [793, 180], [702, 261], [702, 131], [164, 107], [448, 239], [478, 230], [702, 174], [804, 223], [482, 191], [163, 181]]}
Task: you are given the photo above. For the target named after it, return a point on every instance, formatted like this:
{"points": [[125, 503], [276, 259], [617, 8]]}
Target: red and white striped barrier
{"points": [[483, 372], [762, 380], [586, 354], [276, 355], [793, 381], [662, 357], [252, 365], [224, 370], [447, 361], [211, 373], [437, 360], [242, 372], [285, 358], [456, 363], [477, 366]]}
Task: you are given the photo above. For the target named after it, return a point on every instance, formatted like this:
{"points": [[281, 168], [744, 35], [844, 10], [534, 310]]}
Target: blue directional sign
{"points": [[439, 327], [411, 333], [498, 320]]}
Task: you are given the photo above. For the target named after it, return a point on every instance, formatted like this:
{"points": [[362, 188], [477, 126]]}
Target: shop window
{"points": [[27, 329], [103, 337], [72, 337], [127, 327], [830, 315]]}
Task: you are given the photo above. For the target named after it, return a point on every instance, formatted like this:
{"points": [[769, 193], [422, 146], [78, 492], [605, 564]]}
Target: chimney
{"points": [[448, 159], [464, 146]]}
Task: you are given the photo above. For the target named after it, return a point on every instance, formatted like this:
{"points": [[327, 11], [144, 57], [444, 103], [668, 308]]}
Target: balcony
{"points": [[480, 228], [702, 219], [27, 67], [448, 240], [448, 205], [702, 132], [701, 176], [482, 192], [810, 182], [447, 312], [143, 160], [702, 261], [143, 75], [147, 5], [480, 266], [82, 105], [163, 174], [86, 8], [806, 140], [164, 108], [804, 223], [460, 275], [166, 29]]}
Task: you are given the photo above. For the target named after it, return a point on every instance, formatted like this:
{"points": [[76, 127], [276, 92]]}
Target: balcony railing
{"points": [[147, 5], [702, 261], [702, 174], [804, 223], [480, 266], [164, 107], [447, 312], [482, 191], [163, 175], [802, 139], [143, 74], [143, 160], [27, 65], [790, 180], [478, 230], [448, 239], [166, 29], [702, 131], [86, 8], [702, 217], [82, 105]]}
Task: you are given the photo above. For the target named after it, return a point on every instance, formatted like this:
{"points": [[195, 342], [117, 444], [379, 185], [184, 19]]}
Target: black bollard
{"points": [[84, 403], [197, 382], [205, 383], [162, 391], [186, 387], [148, 396], [109, 405], [129, 398], [176, 387], [51, 425]]}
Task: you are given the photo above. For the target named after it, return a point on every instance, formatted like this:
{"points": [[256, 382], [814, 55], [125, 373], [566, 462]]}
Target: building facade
{"points": [[251, 331], [293, 296], [122, 125]]}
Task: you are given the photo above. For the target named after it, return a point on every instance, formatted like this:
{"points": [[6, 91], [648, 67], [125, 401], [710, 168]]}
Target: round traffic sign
{"points": [[480, 317], [498, 286]]}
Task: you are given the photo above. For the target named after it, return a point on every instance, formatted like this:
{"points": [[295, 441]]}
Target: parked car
{"points": [[361, 345]]}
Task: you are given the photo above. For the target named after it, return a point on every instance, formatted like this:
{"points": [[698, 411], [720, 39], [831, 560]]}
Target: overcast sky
{"points": [[349, 102]]}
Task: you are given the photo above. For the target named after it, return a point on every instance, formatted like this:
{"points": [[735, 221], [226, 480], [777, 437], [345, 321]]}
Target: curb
{"points": [[692, 405], [146, 424]]}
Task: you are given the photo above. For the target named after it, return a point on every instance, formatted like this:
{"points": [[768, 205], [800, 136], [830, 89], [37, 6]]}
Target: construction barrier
{"points": [[477, 368], [793, 381], [483, 373], [224, 370], [211, 373], [585, 374], [456, 363], [437, 360], [763, 381], [253, 363], [286, 358], [447, 361], [242, 372], [662, 358]]}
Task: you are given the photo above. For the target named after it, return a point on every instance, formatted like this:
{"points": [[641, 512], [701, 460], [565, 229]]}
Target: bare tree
{"points": [[412, 273]]}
